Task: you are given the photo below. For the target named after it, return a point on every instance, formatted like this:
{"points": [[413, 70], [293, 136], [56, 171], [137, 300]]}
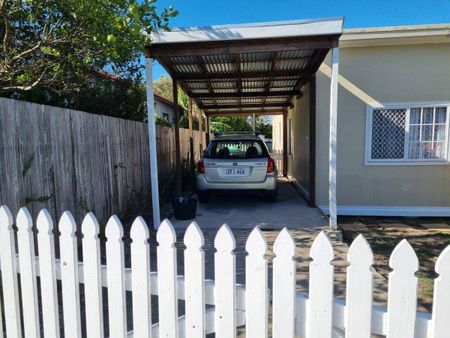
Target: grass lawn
{"points": [[428, 236]]}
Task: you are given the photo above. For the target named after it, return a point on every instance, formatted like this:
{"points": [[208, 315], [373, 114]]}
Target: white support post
{"points": [[254, 122], [333, 137], [152, 143]]}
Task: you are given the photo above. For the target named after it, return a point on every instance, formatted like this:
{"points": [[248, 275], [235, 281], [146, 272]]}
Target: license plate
{"points": [[235, 172]]}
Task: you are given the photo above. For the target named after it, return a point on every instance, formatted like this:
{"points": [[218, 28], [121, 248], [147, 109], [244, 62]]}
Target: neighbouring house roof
{"points": [[163, 98], [255, 68], [395, 35]]}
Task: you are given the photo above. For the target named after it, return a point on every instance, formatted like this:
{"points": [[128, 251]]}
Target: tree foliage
{"points": [[238, 123], [52, 47]]}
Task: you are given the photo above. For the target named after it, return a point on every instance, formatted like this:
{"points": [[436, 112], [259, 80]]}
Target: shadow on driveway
{"points": [[245, 211]]}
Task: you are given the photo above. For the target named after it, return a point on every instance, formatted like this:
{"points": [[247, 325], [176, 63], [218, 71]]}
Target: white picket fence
{"points": [[313, 315]]}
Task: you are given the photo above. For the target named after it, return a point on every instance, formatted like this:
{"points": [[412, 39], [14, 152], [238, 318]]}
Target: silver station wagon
{"points": [[236, 162]]}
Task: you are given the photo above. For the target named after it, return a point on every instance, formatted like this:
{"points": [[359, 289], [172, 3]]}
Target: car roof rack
{"points": [[224, 133]]}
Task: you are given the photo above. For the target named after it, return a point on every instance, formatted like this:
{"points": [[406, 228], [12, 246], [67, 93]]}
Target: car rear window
{"points": [[236, 149]]}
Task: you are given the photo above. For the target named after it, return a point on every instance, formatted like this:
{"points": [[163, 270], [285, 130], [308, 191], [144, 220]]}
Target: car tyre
{"points": [[203, 196]]}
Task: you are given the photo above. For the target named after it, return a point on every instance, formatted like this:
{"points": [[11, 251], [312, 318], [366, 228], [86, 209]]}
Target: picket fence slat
{"points": [[257, 305], [359, 290], [225, 288], [167, 281], [217, 306], [92, 277], [25, 243], [402, 292], [11, 306], [46, 246], [116, 278], [284, 269], [441, 299], [320, 288], [194, 282], [69, 275], [140, 266]]}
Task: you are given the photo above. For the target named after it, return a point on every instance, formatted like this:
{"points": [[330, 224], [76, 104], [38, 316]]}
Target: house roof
{"points": [[395, 35], [237, 69], [163, 98]]}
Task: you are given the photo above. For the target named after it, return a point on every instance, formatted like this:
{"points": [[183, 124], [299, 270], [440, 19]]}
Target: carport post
{"points": [[152, 143], [333, 137], [178, 183], [191, 142], [207, 127], [285, 144]]}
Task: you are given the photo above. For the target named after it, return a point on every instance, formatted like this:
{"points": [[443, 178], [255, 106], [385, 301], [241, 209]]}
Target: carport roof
{"points": [[244, 69]]}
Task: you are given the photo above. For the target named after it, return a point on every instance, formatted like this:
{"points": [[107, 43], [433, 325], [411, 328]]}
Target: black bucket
{"points": [[184, 208]]}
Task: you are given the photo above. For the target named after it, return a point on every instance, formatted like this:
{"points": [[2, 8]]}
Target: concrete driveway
{"points": [[242, 211]]}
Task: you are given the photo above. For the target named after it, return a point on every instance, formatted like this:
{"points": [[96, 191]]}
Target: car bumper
{"points": [[269, 184]]}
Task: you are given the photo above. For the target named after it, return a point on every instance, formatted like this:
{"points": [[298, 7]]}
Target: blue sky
{"points": [[357, 13]]}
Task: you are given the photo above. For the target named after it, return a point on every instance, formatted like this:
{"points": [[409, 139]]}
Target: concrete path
{"points": [[242, 211]]}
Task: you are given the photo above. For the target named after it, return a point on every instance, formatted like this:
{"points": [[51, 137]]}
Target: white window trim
{"points": [[403, 105]]}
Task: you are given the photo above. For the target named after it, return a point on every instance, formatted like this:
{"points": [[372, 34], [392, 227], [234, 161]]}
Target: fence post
{"points": [[69, 275], [167, 281], [8, 264], [194, 283], [256, 304], [320, 288], [92, 277], [225, 283], [140, 265], [46, 245], [284, 274], [402, 292], [116, 278], [25, 242], [441, 297], [358, 311]]}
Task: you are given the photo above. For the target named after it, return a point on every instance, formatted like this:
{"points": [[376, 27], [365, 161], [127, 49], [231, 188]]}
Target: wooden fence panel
{"points": [[62, 159]]}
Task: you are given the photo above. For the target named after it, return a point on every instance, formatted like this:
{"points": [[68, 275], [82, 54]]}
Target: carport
{"points": [[254, 69]]}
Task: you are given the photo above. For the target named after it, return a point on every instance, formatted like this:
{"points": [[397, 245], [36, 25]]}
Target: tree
{"points": [[164, 86], [230, 123], [54, 45]]}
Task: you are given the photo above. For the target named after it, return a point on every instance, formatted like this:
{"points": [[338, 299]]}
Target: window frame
{"points": [[368, 161]]}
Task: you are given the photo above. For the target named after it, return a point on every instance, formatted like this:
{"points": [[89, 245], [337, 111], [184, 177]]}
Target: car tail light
{"points": [[270, 165], [201, 167]]}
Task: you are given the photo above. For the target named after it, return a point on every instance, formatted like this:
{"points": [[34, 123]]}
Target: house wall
{"points": [[299, 157], [277, 142], [162, 108], [380, 74]]}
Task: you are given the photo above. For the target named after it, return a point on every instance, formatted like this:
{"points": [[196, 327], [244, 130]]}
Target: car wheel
{"points": [[203, 196], [271, 196]]}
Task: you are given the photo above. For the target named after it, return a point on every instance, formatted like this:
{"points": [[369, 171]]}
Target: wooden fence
{"points": [[218, 306], [62, 159]]}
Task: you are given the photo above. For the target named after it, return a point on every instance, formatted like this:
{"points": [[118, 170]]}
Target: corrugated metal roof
{"points": [[243, 71]]}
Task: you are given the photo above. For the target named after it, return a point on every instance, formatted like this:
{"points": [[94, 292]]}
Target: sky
{"points": [[356, 13]]}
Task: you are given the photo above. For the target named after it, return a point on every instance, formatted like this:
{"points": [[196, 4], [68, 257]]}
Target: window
{"points": [[407, 134], [236, 149]]}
